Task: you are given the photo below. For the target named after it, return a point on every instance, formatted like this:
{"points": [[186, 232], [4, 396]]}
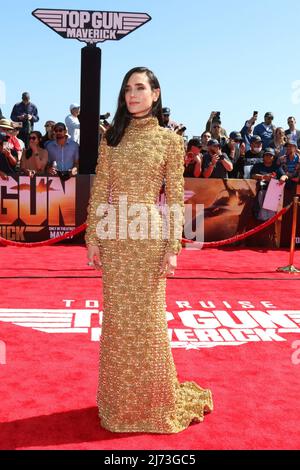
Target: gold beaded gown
{"points": [[138, 388]]}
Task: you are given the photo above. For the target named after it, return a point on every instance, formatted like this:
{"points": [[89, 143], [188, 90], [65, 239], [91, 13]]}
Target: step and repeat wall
{"points": [[39, 208]]}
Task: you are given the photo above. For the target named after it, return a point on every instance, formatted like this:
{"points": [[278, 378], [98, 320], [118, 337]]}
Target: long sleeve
{"points": [[99, 194], [175, 191]]}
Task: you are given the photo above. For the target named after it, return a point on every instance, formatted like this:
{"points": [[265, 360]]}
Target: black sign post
{"points": [[90, 27]]}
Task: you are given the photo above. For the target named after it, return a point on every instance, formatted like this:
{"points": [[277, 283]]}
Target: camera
{"points": [[221, 157], [217, 115], [255, 113]]}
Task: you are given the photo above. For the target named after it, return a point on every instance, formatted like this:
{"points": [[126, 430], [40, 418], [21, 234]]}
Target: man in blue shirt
{"points": [[26, 113], [265, 130], [63, 153]]}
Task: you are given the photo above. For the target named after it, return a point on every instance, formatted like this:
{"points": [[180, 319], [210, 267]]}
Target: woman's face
{"points": [[33, 140], [139, 96]]}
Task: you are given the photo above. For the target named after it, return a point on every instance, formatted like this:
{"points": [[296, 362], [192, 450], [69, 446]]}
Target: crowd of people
{"points": [[259, 151]]}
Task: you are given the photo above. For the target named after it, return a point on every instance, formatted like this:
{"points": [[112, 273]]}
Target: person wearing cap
{"points": [[216, 163], [7, 127], [268, 169], [266, 130], [73, 123], [235, 149], [252, 156], [26, 113], [193, 159], [7, 161], [263, 173], [292, 132], [290, 162], [63, 151], [172, 125]]}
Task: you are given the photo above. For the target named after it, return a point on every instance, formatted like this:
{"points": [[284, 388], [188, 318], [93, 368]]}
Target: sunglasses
{"points": [[59, 129], [33, 137], [217, 127]]}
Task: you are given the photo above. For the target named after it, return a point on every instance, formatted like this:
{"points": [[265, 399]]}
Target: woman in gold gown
{"points": [[138, 387]]}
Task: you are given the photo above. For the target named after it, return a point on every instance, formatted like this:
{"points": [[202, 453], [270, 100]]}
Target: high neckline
{"points": [[148, 122]]}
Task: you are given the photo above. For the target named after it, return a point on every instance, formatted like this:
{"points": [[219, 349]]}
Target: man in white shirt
{"points": [[73, 124]]}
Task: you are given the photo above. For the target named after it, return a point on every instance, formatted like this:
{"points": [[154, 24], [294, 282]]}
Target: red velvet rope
{"points": [[241, 236], [82, 227]]}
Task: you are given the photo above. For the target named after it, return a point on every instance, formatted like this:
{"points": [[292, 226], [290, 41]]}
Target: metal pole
{"points": [[291, 268], [89, 108]]}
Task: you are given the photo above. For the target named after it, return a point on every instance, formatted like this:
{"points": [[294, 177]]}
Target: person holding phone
{"points": [[26, 113]]}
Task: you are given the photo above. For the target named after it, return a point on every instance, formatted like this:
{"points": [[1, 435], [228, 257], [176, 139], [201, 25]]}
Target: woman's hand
{"points": [[169, 264], [93, 256]]}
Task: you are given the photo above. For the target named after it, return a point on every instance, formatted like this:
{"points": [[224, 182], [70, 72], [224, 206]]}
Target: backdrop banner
{"points": [[39, 208]]}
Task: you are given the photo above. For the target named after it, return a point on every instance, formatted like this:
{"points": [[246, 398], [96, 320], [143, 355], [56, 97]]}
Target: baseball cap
{"points": [[234, 135], [166, 111], [269, 151], [60, 124], [213, 142], [74, 105], [255, 138]]}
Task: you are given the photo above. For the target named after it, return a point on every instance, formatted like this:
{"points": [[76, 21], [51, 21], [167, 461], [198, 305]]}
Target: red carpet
{"points": [[245, 353]]}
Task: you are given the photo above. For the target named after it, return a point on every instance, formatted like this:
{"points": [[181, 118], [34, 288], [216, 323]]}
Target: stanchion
{"points": [[291, 268]]}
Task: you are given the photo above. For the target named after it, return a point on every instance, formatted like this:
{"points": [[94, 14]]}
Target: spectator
{"points": [[63, 151], [265, 130], [73, 124], [166, 119], [216, 134], [290, 162], [49, 133], [252, 156], [264, 172], [213, 119], [193, 159], [268, 169], [216, 164], [27, 113], [278, 143], [205, 137], [35, 158], [6, 126], [292, 132], [235, 149], [7, 160], [247, 130]]}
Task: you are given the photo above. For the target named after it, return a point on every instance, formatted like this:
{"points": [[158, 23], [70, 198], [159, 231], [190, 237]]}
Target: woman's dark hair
{"points": [[28, 152], [122, 117]]}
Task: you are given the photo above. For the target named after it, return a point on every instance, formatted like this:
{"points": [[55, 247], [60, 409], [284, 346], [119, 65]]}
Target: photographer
{"points": [[7, 160], [26, 113], [216, 164], [63, 154], [215, 118], [193, 159]]}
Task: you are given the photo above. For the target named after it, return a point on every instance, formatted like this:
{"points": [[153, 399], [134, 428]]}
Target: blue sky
{"points": [[228, 56]]}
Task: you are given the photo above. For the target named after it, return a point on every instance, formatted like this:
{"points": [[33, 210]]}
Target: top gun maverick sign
{"points": [[91, 26]]}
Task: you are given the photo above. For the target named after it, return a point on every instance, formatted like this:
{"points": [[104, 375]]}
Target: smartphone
{"points": [[255, 113]]}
